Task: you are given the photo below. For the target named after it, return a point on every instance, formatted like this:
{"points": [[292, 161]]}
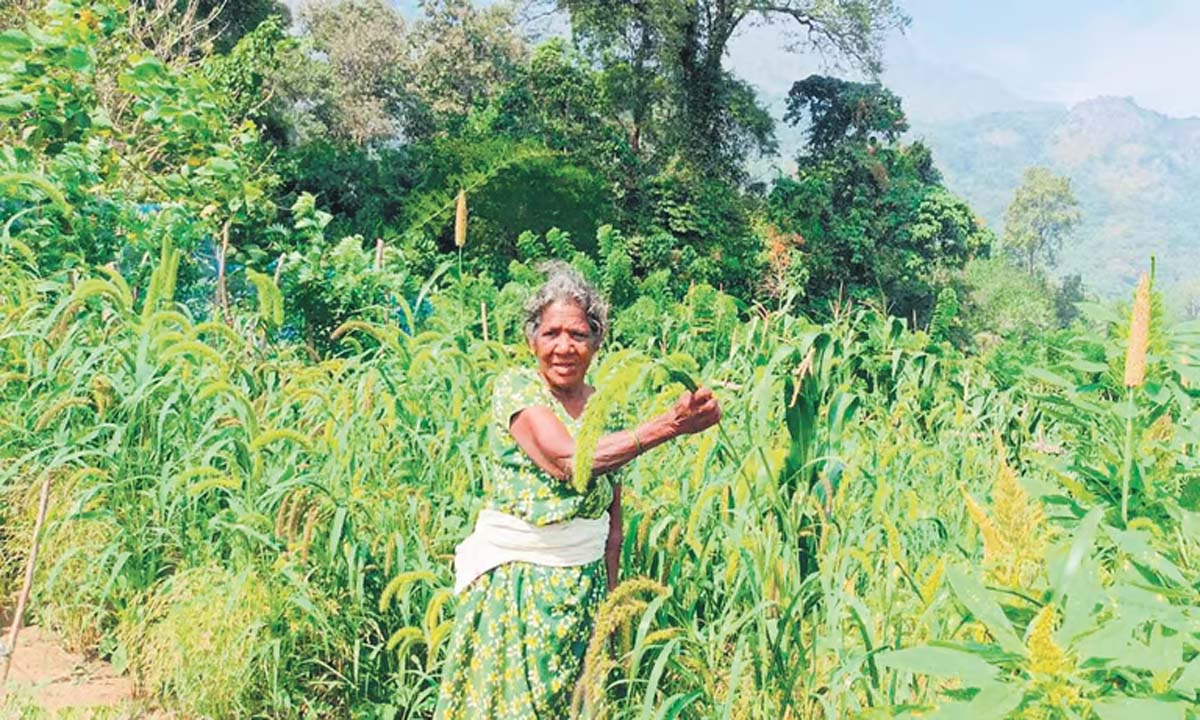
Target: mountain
{"points": [[1134, 170], [939, 93]]}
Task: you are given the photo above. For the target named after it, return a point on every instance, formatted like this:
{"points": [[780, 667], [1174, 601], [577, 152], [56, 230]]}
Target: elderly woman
{"points": [[535, 569]]}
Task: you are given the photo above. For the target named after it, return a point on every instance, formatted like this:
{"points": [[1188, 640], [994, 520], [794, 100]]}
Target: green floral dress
{"points": [[521, 630]]}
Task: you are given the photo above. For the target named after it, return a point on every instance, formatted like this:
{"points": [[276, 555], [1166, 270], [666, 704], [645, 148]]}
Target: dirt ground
{"points": [[45, 676]]}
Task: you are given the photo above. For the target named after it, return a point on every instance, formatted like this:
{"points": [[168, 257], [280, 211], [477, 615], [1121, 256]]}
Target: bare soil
{"points": [[46, 676]]}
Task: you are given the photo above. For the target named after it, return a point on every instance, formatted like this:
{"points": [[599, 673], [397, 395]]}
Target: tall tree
{"points": [[235, 19], [367, 75], [707, 112], [348, 81], [1042, 214], [871, 215], [841, 111], [461, 56]]}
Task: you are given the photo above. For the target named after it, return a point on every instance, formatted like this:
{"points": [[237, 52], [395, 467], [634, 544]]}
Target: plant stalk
{"points": [[1128, 469]]}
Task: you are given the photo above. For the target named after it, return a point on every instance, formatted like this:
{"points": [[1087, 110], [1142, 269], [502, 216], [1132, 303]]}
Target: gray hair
{"points": [[564, 282]]}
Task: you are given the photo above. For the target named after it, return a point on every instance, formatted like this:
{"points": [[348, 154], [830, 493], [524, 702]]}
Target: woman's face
{"points": [[561, 345]]}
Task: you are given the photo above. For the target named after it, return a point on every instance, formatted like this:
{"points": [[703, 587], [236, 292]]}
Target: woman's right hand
{"points": [[695, 412]]}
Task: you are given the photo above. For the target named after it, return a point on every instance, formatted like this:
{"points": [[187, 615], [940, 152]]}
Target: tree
{"points": [[874, 220], [366, 76], [234, 20], [1042, 214], [1006, 302], [708, 117], [461, 56], [840, 111], [346, 81]]}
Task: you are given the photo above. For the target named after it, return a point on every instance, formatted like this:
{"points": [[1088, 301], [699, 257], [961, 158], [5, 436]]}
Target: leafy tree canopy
{"points": [[667, 63], [1042, 215], [871, 218], [839, 110]]}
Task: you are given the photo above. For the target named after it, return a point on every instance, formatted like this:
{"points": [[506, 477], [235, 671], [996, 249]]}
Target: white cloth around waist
{"points": [[501, 538]]}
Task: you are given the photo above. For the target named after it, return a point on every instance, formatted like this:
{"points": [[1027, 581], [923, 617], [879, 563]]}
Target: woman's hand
{"points": [[695, 412]]}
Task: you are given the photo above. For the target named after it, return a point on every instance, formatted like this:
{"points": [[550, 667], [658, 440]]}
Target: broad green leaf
{"points": [[1136, 544], [1139, 709], [941, 661], [1081, 548], [1083, 593], [1075, 578], [1049, 378], [14, 104], [1188, 681], [1087, 366], [14, 42], [1161, 653], [147, 67], [78, 59], [993, 702], [1108, 642], [975, 597]]}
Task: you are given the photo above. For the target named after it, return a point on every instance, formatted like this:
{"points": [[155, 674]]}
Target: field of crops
{"points": [[878, 529], [252, 501]]}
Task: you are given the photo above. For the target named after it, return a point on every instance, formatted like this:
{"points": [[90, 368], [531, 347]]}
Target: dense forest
{"points": [[260, 271]]}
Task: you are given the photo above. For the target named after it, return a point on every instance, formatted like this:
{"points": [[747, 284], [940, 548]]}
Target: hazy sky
{"points": [[1070, 50]]}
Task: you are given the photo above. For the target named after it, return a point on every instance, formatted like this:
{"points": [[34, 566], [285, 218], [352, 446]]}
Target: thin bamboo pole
{"points": [[30, 564]]}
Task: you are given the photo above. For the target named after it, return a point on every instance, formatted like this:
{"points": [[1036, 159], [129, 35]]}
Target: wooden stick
{"points": [[30, 564], [483, 317], [222, 292], [378, 254], [279, 267]]}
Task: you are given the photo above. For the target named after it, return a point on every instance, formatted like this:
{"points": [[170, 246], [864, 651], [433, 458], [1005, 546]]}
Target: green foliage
{"points": [[245, 77], [945, 318], [840, 111], [153, 151], [462, 56], [325, 285], [258, 527], [366, 190], [1006, 301], [665, 68], [233, 21], [875, 224], [1042, 214]]}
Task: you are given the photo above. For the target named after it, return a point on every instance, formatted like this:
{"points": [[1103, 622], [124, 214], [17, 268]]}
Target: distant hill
{"points": [[1136, 173]]}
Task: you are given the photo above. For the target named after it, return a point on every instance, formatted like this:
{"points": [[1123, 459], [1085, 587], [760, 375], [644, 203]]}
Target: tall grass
{"points": [[250, 532]]}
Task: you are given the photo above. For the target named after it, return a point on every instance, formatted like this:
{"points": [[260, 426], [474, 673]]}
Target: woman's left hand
{"points": [[696, 412]]}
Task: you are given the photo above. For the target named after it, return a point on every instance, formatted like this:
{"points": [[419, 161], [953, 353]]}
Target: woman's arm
{"points": [[544, 438], [612, 549]]}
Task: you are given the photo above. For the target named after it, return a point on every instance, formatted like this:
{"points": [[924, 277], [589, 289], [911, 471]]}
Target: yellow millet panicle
{"points": [[1020, 521], [621, 372], [460, 219], [930, 587], [621, 606], [661, 636], [282, 518], [310, 523], [993, 544], [1045, 656], [1139, 335]]}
